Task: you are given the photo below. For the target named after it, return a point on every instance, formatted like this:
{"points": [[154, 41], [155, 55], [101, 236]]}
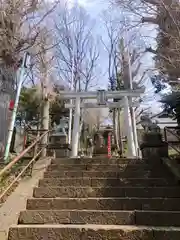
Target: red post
{"points": [[11, 105], [109, 145]]}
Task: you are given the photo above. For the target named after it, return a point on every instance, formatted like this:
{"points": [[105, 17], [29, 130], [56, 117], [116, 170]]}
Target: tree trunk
{"points": [[45, 124]]}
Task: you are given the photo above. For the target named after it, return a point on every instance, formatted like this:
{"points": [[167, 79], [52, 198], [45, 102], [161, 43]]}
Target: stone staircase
{"points": [[101, 199]]}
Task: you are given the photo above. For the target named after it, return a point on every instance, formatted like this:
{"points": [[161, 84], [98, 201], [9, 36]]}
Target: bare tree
{"points": [[20, 22], [118, 66], [112, 45], [77, 50], [94, 118], [165, 16]]}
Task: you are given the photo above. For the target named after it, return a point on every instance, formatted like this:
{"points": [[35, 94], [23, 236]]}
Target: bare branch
{"points": [[149, 20], [154, 2], [76, 50]]}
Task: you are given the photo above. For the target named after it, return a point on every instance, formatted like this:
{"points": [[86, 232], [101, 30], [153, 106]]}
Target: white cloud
{"points": [[89, 3], [83, 3], [74, 2]]}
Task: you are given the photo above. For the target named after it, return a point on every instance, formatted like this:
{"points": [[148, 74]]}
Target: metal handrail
{"points": [[16, 159], [169, 129], [19, 175]]}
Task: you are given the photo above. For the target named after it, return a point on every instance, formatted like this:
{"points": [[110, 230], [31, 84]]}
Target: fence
{"points": [[172, 137]]}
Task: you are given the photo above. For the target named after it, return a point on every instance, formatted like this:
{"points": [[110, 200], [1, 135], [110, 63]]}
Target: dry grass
{"points": [[7, 178]]}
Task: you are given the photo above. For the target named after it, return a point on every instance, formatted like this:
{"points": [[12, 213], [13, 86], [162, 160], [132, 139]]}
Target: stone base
{"points": [[154, 154], [153, 147], [61, 153], [101, 150]]}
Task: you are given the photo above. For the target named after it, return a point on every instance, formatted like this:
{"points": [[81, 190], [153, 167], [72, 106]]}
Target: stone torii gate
{"points": [[102, 96]]}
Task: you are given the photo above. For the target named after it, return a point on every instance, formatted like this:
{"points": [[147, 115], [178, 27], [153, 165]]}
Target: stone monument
{"points": [[153, 147]]}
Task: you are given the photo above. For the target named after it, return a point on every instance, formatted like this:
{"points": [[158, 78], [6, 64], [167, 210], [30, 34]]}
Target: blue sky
{"points": [[95, 8]]}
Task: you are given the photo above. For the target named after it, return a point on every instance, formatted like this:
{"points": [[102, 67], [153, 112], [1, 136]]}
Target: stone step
{"points": [[85, 192], [97, 160], [104, 174], [156, 204], [100, 182], [77, 217], [95, 232], [98, 167], [158, 218], [148, 218]]}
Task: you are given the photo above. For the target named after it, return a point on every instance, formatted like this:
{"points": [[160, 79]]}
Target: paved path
{"points": [[16, 202]]}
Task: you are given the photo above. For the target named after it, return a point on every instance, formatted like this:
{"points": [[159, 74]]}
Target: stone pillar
{"points": [[76, 128], [98, 140], [99, 143], [129, 129]]}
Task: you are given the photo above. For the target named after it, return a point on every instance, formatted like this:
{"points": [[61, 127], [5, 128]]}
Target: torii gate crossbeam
{"points": [[109, 94], [95, 105]]}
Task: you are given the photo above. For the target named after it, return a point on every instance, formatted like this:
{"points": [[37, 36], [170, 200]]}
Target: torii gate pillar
{"points": [[132, 152], [76, 128]]}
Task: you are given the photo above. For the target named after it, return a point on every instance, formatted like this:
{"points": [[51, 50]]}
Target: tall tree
{"points": [[118, 64], [112, 47], [171, 104], [76, 53], [165, 15]]}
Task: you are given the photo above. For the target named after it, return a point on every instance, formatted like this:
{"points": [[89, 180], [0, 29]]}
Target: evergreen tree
{"points": [[171, 104], [158, 81], [30, 105]]}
